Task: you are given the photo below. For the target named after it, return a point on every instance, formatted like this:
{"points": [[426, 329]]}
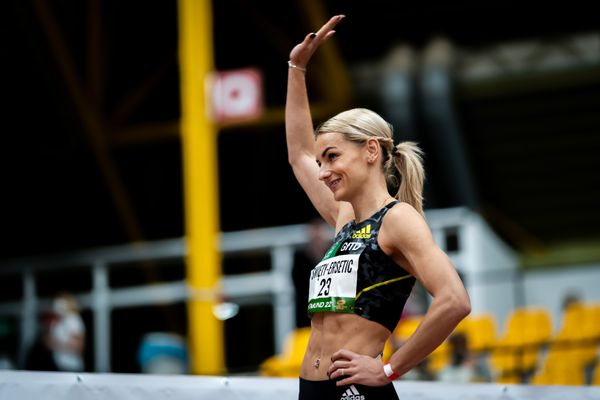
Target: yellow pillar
{"points": [[199, 146]]}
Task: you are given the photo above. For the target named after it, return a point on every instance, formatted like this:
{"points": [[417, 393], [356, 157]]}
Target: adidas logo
{"points": [[352, 394], [364, 233]]}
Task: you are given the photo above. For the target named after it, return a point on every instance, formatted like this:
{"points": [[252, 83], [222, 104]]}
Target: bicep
{"points": [[435, 271], [414, 245]]}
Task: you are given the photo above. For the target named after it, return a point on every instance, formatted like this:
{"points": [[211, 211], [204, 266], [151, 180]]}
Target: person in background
{"points": [[570, 298], [66, 336], [6, 356], [39, 356], [462, 367], [320, 237]]}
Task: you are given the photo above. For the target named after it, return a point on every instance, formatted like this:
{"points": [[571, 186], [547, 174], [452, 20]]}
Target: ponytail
{"points": [[408, 159]]}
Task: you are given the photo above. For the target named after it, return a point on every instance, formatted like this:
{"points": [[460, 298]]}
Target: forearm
{"points": [[441, 319], [298, 121]]}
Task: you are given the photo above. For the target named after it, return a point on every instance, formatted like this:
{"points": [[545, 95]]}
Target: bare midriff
{"points": [[331, 332]]}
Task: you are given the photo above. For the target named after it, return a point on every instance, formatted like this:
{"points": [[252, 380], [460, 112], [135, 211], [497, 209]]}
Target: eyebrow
{"points": [[326, 150]]}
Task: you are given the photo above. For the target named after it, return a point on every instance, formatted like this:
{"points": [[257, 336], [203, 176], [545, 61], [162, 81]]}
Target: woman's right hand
{"points": [[302, 52]]}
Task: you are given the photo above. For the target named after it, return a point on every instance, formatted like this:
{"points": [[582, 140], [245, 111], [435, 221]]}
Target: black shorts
{"points": [[327, 390]]}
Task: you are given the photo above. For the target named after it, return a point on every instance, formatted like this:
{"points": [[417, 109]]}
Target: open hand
{"points": [[302, 52], [356, 368]]}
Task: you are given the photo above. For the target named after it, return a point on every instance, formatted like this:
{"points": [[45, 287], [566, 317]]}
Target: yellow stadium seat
{"points": [[580, 331], [572, 320], [537, 326], [403, 331], [480, 331], [388, 350], [540, 378], [508, 378], [527, 329], [560, 368], [437, 360], [289, 362], [407, 326]]}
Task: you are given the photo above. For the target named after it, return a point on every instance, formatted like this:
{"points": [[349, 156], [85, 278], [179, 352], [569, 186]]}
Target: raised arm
{"points": [[299, 125]]}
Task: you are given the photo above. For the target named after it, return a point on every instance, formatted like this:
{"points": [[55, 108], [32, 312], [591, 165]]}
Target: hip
{"points": [[328, 390]]}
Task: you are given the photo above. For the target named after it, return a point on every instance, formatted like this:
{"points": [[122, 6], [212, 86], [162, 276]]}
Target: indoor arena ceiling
{"points": [[91, 152]]}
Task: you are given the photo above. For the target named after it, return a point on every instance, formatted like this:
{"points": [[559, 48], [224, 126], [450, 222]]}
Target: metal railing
{"points": [[273, 284], [278, 242]]}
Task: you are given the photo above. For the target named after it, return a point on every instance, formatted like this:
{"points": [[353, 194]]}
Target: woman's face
{"points": [[342, 164]]}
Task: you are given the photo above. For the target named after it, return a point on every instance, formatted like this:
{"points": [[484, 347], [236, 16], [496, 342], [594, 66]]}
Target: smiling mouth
{"points": [[333, 184]]}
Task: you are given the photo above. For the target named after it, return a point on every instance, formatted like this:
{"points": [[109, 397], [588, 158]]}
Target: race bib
{"points": [[333, 284]]}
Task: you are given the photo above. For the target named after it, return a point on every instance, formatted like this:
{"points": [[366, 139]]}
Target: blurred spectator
{"points": [[67, 334], [421, 372], [163, 353], [570, 298], [6, 361], [320, 237], [39, 357], [462, 368]]}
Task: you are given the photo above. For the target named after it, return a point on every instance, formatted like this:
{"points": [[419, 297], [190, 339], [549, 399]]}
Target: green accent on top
{"points": [[332, 250]]}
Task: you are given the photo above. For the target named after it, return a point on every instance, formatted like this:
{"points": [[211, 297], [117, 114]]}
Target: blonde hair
{"points": [[403, 162]]}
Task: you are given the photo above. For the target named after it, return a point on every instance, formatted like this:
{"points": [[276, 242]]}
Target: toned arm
{"points": [[299, 128], [408, 238]]}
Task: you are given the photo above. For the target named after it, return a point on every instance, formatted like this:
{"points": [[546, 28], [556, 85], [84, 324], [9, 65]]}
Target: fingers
{"points": [[301, 53], [338, 368], [327, 30], [329, 25], [310, 37], [343, 373], [347, 381], [342, 364], [348, 368], [329, 34], [343, 354]]}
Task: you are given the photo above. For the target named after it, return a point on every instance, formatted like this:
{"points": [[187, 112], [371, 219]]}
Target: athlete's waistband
{"points": [[328, 390]]}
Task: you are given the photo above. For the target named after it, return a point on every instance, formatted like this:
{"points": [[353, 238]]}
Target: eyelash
{"points": [[330, 156]]}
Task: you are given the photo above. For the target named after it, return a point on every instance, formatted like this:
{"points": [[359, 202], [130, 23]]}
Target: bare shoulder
{"points": [[402, 226], [403, 216]]}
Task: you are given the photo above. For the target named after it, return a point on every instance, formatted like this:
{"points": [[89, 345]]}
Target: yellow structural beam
{"points": [[199, 142]]}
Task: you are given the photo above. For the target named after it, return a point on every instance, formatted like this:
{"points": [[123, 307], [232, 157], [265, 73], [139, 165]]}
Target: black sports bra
{"points": [[356, 276]]}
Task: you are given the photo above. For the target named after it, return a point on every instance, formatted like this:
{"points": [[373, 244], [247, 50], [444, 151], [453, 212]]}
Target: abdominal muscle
{"points": [[331, 332]]}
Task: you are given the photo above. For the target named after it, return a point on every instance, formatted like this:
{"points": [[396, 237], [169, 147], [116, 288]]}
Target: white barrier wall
{"points": [[21, 385], [488, 266], [548, 287]]}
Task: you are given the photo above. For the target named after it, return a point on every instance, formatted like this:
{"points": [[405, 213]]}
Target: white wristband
{"points": [[389, 372]]}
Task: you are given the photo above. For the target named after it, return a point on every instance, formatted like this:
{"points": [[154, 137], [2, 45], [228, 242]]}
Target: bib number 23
{"points": [[325, 285]]}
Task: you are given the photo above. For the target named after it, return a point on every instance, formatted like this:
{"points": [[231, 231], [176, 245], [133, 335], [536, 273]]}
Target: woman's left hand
{"points": [[303, 51], [354, 368]]}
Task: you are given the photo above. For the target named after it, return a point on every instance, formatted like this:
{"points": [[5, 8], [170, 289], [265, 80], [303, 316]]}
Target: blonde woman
{"points": [[382, 245]]}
